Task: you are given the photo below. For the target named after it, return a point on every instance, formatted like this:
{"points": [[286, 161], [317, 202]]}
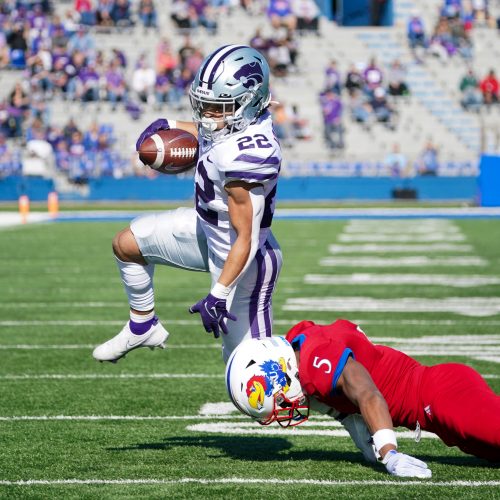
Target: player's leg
{"points": [[171, 238], [251, 301], [464, 410]]}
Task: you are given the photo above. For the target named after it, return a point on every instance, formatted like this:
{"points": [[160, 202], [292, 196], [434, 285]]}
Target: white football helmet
{"points": [[232, 82], [262, 382]]}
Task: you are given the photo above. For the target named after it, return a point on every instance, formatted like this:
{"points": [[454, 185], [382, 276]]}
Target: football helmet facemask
{"points": [[262, 382], [230, 90]]}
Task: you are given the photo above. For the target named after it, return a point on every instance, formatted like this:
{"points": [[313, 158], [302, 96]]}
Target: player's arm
{"points": [[246, 208], [190, 127], [357, 385]]}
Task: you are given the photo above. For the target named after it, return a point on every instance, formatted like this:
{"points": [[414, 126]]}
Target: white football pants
{"points": [[176, 239]]}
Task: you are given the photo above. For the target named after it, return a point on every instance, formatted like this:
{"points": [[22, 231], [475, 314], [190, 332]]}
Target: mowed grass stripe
{"points": [[291, 322], [245, 480]]}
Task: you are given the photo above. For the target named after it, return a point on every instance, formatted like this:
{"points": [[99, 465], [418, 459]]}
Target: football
{"points": [[170, 151]]}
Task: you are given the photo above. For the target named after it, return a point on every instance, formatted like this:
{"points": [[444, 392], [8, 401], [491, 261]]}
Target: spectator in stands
{"points": [[5, 157], [395, 162], [181, 14], [282, 123], [202, 15], [260, 42], [19, 103], [427, 163], [300, 126], [471, 94], [360, 108], [332, 109], [85, 11], [307, 14], [441, 44], [163, 88], [397, 79], [279, 57], [382, 110], [373, 76], [87, 83], [17, 41], [332, 77], [186, 50], [354, 78], [83, 41], [119, 55], [193, 61], [36, 131], [490, 87], [4, 51], [143, 80], [120, 13], [281, 14], [460, 38], [416, 35], [147, 13], [103, 13], [91, 137], [116, 88], [166, 60]]}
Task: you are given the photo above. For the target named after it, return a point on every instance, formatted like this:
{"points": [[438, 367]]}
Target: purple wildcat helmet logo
{"points": [[250, 75]]}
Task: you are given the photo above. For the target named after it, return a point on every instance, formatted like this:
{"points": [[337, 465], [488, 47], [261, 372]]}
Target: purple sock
{"points": [[141, 328]]}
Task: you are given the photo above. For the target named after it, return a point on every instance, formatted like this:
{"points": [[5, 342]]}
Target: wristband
{"points": [[172, 123], [388, 455], [383, 437], [220, 291]]}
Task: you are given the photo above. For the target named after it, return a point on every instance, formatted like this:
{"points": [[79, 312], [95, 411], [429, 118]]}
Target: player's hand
{"points": [[401, 465], [160, 124], [214, 313], [356, 426]]}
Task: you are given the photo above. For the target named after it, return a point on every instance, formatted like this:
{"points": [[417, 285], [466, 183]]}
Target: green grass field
{"points": [[74, 428]]}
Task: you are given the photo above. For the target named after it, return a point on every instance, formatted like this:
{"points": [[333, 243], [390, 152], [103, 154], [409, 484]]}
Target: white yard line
{"points": [[249, 428], [465, 306], [400, 238], [388, 248], [453, 280], [253, 480], [410, 261], [398, 229], [109, 376]]}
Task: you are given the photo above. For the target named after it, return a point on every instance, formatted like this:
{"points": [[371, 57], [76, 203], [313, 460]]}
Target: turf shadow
{"points": [[264, 449]]}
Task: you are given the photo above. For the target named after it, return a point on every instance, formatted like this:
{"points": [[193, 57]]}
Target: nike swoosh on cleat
{"points": [[135, 344]]}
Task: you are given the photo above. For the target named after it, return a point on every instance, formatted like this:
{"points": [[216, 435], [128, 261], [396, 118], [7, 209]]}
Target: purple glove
{"points": [[213, 314], [160, 124]]}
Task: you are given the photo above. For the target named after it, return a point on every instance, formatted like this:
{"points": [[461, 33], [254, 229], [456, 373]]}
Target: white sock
{"points": [[138, 283], [141, 318]]}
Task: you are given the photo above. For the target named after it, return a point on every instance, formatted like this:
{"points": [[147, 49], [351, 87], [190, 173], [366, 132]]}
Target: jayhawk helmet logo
{"points": [[273, 380]]}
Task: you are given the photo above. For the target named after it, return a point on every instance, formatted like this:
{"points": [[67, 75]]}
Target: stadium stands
{"points": [[124, 99]]}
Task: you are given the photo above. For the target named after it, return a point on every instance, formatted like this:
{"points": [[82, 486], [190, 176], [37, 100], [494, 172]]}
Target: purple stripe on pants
{"points": [[270, 289], [254, 298]]}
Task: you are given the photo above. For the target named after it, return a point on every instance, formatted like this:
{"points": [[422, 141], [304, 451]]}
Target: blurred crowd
{"points": [[60, 60], [366, 92]]}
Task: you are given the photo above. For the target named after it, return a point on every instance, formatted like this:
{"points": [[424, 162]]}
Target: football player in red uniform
{"points": [[343, 374]]}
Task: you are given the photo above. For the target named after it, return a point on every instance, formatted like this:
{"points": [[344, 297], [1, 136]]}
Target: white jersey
{"points": [[252, 156]]}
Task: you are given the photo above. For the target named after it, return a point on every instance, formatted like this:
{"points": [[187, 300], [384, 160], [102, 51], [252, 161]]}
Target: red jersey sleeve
{"points": [[322, 361]]}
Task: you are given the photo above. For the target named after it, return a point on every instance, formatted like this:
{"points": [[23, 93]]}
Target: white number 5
{"points": [[317, 362]]}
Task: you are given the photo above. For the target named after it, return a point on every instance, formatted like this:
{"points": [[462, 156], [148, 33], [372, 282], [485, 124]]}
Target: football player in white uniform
{"points": [[228, 232]]}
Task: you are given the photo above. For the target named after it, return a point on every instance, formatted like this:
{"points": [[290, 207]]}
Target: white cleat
{"points": [[126, 341]]}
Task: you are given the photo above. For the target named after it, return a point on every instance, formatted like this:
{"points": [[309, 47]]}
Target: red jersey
{"points": [[324, 351]]}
